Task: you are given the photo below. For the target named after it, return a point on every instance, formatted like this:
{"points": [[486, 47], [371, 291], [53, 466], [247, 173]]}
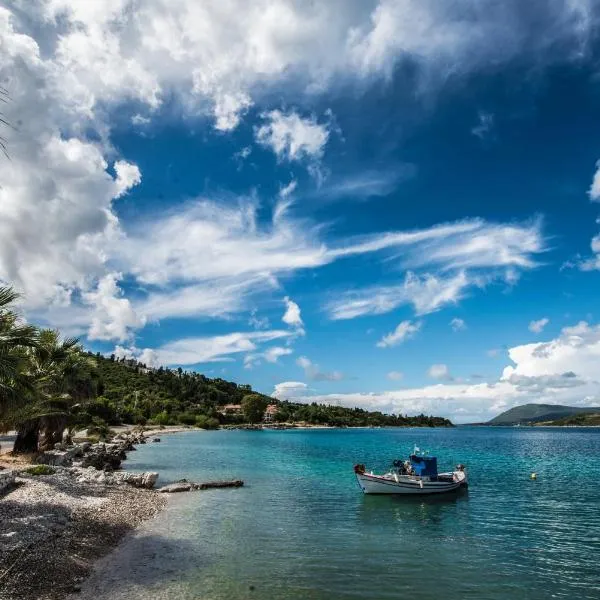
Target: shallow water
{"points": [[301, 528]]}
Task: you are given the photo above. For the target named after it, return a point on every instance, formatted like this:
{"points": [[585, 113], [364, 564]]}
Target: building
{"points": [[270, 413]]}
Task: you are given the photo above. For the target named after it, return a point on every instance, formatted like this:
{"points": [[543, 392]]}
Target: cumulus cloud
{"points": [[560, 371], [113, 316], [288, 390], [292, 316], [538, 326], [404, 331], [59, 231], [291, 137], [458, 324], [439, 371], [312, 371], [395, 375]]}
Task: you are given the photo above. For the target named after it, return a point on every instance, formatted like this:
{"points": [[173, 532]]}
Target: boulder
{"points": [[139, 480], [7, 480], [156, 440]]}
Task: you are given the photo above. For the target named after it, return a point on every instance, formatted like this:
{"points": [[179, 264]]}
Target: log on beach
{"points": [[220, 484], [188, 486]]}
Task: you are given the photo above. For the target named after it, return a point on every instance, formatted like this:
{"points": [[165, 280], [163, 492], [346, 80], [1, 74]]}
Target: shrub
{"points": [[205, 422], [40, 470]]}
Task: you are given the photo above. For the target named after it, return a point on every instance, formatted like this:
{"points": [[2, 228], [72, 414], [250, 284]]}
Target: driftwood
{"points": [[187, 486], [220, 484]]}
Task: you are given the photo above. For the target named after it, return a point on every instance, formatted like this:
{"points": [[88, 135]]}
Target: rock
{"points": [[139, 480], [156, 440], [59, 458], [7, 480], [173, 488]]}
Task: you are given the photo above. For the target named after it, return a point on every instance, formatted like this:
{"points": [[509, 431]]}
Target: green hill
{"points": [[535, 413], [129, 392]]}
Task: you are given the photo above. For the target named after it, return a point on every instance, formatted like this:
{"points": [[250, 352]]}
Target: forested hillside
{"points": [[129, 392]]}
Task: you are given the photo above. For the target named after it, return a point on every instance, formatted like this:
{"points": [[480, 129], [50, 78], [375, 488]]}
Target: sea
{"points": [[300, 528]]}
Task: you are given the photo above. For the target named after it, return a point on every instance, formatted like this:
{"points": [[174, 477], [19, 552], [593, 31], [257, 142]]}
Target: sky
{"points": [[390, 204]]}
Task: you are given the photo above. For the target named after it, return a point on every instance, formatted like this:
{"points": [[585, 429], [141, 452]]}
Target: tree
{"points": [[16, 338], [62, 376], [254, 406]]}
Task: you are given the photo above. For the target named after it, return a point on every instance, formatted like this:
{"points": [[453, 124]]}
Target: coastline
{"points": [[55, 527]]}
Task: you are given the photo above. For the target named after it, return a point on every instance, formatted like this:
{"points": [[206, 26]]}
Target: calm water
{"points": [[302, 528]]}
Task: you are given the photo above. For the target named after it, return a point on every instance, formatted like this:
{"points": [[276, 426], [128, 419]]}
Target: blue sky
{"points": [[393, 206]]}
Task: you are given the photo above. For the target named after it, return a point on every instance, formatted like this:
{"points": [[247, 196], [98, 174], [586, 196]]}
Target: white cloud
{"points": [[288, 390], [395, 375], [561, 371], [197, 350], [270, 355], [427, 293], [291, 137], [439, 371], [258, 322], [538, 326], [458, 324], [594, 191], [59, 232], [140, 120], [366, 184], [113, 317], [292, 316], [404, 331], [312, 371], [593, 263]]}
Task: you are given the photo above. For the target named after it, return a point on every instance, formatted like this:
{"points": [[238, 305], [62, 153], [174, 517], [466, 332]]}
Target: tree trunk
{"points": [[51, 430], [27, 438]]}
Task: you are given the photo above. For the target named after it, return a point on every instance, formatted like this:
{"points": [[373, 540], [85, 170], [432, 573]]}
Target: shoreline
{"points": [[55, 526], [53, 529]]}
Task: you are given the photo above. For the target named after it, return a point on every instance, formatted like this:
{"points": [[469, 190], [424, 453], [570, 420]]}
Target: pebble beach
{"points": [[54, 527]]}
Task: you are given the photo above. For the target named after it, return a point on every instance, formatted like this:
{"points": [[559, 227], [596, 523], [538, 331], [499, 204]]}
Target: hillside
{"points": [[578, 420], [534, 413], [129, 392]]}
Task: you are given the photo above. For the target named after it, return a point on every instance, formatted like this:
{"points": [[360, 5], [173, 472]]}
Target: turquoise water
{"points": [[301, 528]]}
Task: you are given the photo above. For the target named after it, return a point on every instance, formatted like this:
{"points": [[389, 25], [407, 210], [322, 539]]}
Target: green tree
{"points": [[16, 338], [62, 377], [254, 406]]}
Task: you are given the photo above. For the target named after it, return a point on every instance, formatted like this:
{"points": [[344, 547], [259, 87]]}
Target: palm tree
{"points": [[16, 339], [62, 376]]}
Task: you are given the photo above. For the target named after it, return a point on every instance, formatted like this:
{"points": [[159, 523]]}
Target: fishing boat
{"points": [[417, 475]]}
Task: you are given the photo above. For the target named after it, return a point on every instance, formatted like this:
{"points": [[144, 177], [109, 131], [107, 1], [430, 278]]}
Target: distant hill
{"points": [[535, 413]]}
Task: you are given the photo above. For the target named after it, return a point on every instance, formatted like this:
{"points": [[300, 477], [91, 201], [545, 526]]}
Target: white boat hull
{"points": [[408, 485]]}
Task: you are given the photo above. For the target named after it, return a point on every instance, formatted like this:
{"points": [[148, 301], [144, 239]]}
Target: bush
{"points": [[99, 429], [40, 470], [205, 422]]}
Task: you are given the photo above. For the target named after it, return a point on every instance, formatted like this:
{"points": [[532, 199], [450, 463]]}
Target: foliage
{"points": [[40, 470], [254, 406], [579, 420], [49, 385]]}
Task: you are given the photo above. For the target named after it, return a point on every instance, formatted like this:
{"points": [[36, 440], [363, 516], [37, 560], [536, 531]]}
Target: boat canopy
{"points": [[424, 466]]}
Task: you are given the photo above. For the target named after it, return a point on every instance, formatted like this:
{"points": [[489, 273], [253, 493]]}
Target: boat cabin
{"points": [[424, 466]]}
